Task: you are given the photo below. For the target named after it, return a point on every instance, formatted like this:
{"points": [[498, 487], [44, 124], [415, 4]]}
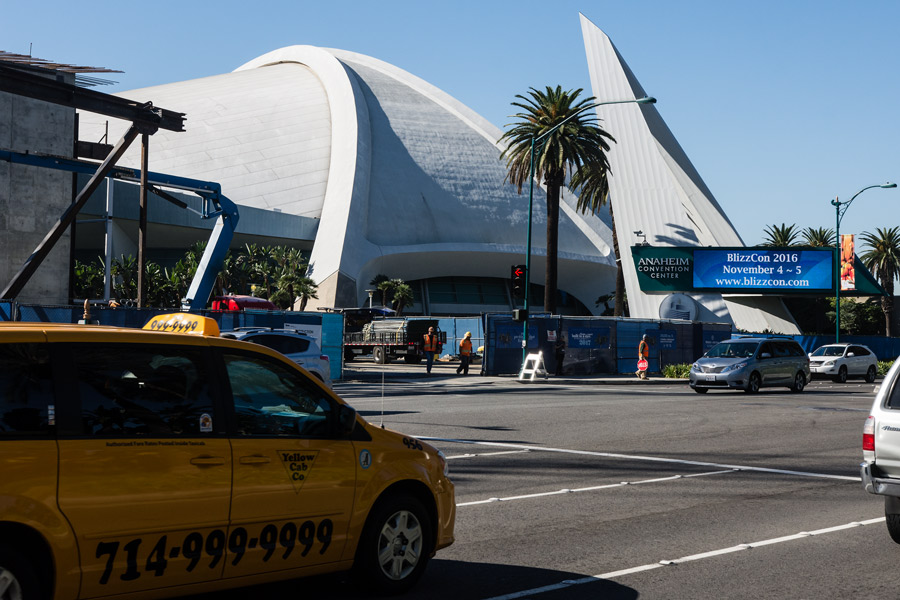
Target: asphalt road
{"points": [[633, 491]]}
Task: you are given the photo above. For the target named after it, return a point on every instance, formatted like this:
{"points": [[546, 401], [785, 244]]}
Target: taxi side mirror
{"points": [[346, 420]]}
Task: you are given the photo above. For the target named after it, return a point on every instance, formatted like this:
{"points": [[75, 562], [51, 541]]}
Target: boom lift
{"points": [[215, 206]]}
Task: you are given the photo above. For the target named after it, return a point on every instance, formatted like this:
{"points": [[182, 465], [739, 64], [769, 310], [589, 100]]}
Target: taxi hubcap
{"points": [[400, 545], [9, 586]]}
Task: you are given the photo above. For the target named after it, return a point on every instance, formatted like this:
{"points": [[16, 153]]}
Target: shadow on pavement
{"points": [[443, 580]]}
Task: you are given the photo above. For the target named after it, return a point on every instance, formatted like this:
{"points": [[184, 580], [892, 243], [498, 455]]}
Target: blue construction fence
{"points": [[327, 328], [592, 345], [609, 345]]}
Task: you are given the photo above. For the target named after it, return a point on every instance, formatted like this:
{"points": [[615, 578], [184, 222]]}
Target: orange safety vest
{"points": [[465, 347], [431, 343], [643, 349]]}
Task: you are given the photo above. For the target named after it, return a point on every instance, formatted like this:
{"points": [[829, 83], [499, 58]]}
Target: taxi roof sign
{"points": [[183, 323]]}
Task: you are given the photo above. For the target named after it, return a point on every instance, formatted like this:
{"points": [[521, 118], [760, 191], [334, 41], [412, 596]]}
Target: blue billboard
{"points": [[757, 269]]}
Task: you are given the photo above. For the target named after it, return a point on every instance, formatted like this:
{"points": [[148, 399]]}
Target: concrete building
{"points": [[659, 198], [376, 171], [31, 198]]}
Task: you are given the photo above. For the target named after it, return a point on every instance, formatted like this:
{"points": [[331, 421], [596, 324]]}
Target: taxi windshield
{"points": [[829, 351], [732, 350]]}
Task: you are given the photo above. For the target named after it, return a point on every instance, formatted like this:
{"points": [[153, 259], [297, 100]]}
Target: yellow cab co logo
{"points": [[298, 465]]}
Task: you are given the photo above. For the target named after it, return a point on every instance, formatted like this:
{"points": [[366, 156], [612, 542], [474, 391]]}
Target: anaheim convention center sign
{"points": [[734, 270]]}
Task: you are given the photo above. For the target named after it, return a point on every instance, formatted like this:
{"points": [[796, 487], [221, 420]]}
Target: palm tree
{"points": [[882, 258], [782, 236], [403, 296], [386, 287], [591, 183], [376, 283], [577, 140], [305, 289], [818, 237]]}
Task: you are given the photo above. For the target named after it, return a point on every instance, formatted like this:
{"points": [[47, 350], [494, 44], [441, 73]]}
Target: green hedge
{"points": [[681, 371]]}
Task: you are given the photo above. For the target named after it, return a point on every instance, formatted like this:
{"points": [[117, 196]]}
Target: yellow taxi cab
{"points": [[168, 461]]}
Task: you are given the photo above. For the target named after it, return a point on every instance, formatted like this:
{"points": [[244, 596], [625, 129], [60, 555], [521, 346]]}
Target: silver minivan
{"points": [[880, 469], [751, 363]]}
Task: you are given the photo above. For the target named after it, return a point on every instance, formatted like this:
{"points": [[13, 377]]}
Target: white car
{"points": [[300, 348], [840, 361], [880, 470]]}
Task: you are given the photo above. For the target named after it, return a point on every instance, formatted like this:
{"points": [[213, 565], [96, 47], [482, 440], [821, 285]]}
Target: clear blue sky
{"points": [[780, 104]]}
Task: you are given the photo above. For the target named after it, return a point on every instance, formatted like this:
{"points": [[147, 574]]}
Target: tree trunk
{"points": [[303, 299], [887, 305], [552, 246], [619, 309]]}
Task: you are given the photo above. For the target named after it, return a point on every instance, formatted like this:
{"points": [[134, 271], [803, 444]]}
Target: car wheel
{"points": [[379, 355], [753, 383], [893, 526], [17, 578], [841, 377], [395, 545], [870, 374], [701, 390], [799, 382]]}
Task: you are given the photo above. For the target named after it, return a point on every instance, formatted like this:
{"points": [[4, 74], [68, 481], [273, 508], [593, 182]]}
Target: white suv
{"points": [[840, 361], [300, 348], [880, 470]]}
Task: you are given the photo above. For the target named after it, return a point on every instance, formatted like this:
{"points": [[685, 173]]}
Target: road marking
{"points": [[591, 489], [694, 557], [644, 458], [488, 454]]}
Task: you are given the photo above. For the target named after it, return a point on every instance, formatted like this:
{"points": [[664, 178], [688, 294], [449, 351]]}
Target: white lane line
{"points": [[488, 454], [590, 489], [694, 557], [676, 461]]}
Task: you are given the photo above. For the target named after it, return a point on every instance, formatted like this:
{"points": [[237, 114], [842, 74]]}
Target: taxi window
{"points": [[272, 399], [143, 390], [26, 390]]}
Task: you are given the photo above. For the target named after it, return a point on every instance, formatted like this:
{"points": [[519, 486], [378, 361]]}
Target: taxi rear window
{"points": [[150, 390], [26, 391]]}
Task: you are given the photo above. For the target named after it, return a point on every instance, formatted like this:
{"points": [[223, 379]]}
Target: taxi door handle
{"points": [[207, 461], [255, 460]]}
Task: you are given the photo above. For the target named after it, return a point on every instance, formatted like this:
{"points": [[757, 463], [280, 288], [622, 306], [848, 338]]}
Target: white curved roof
{"points": [[655, 189], [406, 180]]}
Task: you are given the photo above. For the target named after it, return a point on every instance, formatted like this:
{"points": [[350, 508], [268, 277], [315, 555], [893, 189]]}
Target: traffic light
{"points": [[517, 275]]}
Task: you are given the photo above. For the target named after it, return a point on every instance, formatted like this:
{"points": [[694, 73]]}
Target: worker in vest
{"points": [[432, 345], [643, 354], [465, 354]]}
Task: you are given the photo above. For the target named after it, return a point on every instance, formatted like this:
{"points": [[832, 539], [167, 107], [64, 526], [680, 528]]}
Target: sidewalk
{"points": [[362, 370]]}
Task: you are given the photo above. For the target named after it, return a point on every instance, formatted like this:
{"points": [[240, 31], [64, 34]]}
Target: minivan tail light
{"points": [[325, 357], [869, 434]]}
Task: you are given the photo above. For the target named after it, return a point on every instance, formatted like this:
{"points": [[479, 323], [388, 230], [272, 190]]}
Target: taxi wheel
{"points": [[753, 383], [870, 374], [395, 546], [841, 377], [17, 578]]}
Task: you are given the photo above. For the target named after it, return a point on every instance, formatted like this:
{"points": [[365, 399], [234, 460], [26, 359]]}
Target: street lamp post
{"points": [[839, 209], [534, 139]]}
